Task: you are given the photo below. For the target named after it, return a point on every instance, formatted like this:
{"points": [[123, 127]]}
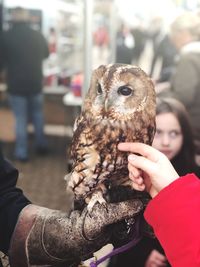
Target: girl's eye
{"points": [[99, 89], [158, 132], [124, 90], [174, 134]]}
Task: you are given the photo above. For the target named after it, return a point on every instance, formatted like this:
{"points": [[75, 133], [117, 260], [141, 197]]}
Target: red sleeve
{"points": [[174, 215]]}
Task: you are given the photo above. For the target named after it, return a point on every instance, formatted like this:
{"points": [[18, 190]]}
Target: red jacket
{"points": [[175, 217]]}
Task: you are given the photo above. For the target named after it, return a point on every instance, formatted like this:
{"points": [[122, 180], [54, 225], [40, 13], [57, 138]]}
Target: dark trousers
{"points": [[1, 263]]}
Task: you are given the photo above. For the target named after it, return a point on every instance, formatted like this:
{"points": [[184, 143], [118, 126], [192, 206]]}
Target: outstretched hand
{"points": [[150, 170]]}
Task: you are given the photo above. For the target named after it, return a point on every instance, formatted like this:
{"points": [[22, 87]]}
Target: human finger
{"points": [[142, 149], [159, 174], [142, 163], [156, 259], [133, 171], [136, 176], [137, 186]]}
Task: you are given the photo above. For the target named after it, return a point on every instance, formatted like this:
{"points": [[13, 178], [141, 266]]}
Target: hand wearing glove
{"points": [[49, 237]]}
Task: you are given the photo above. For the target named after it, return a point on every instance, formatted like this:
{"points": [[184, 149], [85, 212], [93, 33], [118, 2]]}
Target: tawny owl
{"points": [[119, 107]]}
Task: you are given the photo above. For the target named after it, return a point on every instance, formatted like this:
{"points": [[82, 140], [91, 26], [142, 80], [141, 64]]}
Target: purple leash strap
{"points": [[116, 251], [138, 236]]}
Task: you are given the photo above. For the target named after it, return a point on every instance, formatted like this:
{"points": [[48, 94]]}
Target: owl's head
{"points": [[118, 91]]}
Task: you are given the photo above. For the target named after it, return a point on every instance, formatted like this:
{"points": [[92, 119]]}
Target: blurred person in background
{"points": [[125, 44], [174, 135], [173, 138], [101, 36], [164, 54], [140, 38], [101, 43], [52, 40], [22, 51], [164, 51], [185, 81]]}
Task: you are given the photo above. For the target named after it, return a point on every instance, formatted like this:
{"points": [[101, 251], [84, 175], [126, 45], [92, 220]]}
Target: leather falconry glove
{"points": [[48, 237]]}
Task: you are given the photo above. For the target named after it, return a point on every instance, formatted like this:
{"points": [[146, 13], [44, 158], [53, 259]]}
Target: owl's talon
{"points": [[96, 198], [105, 206]]}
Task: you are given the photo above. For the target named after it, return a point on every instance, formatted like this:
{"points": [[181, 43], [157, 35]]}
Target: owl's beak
{"points": [[106, 105]]}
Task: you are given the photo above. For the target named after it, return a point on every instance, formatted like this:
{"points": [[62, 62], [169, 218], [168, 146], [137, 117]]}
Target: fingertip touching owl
{"points": [[119, 107]]}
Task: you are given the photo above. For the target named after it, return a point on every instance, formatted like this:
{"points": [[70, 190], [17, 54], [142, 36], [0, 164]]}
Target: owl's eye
{"points": [[99, 89], [124, 90]]}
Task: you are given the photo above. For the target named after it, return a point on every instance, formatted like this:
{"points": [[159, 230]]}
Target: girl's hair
{"points": [[184, 162]]}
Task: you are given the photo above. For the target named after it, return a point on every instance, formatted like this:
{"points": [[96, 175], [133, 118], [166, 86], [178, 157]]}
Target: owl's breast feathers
{"points": [[95, 154]]}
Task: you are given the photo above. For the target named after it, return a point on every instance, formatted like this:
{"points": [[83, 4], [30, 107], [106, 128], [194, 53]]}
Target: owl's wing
{"points": [[78, 121], [79, 126], [71, 149]]}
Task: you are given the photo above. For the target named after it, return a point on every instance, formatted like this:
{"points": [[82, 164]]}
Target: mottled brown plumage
{"points": [[119, 107]]}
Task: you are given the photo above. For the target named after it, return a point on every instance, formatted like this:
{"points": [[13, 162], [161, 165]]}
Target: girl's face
{"points": [[168, 138]]}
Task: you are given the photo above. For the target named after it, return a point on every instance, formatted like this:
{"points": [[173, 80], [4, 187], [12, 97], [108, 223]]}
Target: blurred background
{"points": [[81, 35]]}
